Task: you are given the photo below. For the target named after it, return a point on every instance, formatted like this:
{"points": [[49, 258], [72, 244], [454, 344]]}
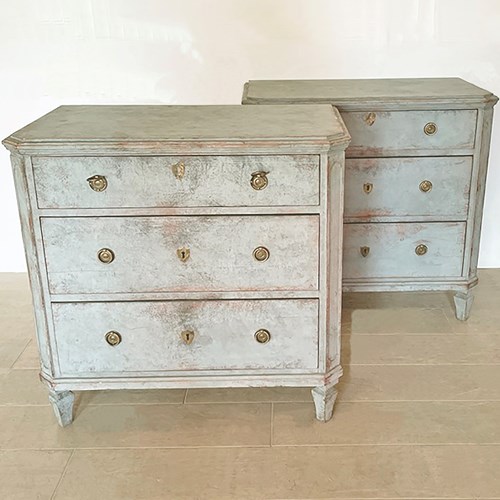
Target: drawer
{"points": [[388, 187], [155, 336], [403, 250], [174, 181], [379, 133], [202, 253]]}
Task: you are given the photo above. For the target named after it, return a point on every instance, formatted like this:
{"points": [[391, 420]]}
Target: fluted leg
{"points": [[463, 305], [324, 397], [62, 404]]}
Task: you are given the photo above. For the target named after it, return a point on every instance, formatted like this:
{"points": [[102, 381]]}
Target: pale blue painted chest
{"points": [[184, 246], [415, 178]]}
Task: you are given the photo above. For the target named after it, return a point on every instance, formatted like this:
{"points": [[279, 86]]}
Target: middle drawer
{"points": [[190, 253]]}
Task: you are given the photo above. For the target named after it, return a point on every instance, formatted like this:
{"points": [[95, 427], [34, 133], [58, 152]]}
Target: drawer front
{"points": [[153, 254], [172, 181], [403, 250], [218, 335], [378, 133], [388, 187]]}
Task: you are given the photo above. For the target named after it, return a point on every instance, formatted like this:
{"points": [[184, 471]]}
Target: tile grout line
{"points": [[63, 473], [20, 354], [272, 425], [257, 446]]}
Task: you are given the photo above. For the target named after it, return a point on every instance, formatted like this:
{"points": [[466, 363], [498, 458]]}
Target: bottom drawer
{"points": [[185, 335], [403, 250]]}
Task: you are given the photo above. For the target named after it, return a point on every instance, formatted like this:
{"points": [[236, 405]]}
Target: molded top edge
{"points": [[339, 92], [135, 124]]}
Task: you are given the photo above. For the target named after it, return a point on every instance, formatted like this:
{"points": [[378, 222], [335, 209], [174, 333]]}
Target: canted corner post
{"points": [[62, 404], [463, 304], [324, 397]]}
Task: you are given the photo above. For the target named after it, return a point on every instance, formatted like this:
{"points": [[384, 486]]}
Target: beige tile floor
{"points": [[418, 416]]}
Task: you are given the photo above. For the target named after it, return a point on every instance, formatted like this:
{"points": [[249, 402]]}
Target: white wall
{"points": [[56, 52]]}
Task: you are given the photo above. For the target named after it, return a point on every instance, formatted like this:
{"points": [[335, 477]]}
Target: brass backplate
{"points": [[183, 254], [179, 170], [364, 251], [187, 336]]}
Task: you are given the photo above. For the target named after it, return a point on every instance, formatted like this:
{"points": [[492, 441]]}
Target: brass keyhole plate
{"points": [[367, 187], [370, 119], [364, 251], [183, 254], [179, 170], [187, 337]]}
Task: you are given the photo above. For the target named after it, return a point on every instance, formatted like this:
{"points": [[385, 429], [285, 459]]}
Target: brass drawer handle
{"points": [[370, 119], [179, 170], [367, 187], [98, 182], [430, 128], [364, 251], [106, 255], [113, 338], [183, 254], [425, 186], [262, 336], [259, 180], [261, 254], [187, 337], [421, 249]]}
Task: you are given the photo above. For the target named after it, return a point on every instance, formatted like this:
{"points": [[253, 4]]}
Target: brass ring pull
{"points": [[106, 255], [367, 187], [261, 254], [262, 336], [113, 338], [259, 180], [187, 337], [364, 251], [425, 186], [430, 128], [421, 249], [98, 182], [179, 170], [370, 119]]}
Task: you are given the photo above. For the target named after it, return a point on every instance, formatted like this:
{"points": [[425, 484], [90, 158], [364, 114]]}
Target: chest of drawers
{"points": [[415, 178], [184, 246]]}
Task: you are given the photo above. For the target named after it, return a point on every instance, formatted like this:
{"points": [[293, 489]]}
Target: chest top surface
{"points": [[84, 125], [338, 92]]}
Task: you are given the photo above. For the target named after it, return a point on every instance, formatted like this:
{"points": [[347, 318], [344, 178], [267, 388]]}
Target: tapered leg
{"points": [[324, 397], [62, 404], [463, 305]]}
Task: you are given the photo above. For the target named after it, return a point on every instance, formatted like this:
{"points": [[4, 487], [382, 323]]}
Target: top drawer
{"points": [[174, 181], [379, 133]]}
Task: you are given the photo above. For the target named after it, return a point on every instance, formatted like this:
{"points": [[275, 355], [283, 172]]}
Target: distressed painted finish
{"points": [[392, 250], [206, 181], [385, 188], [394, 131], [386, 119], [220, 292], [146, 253], [151, 336]]}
